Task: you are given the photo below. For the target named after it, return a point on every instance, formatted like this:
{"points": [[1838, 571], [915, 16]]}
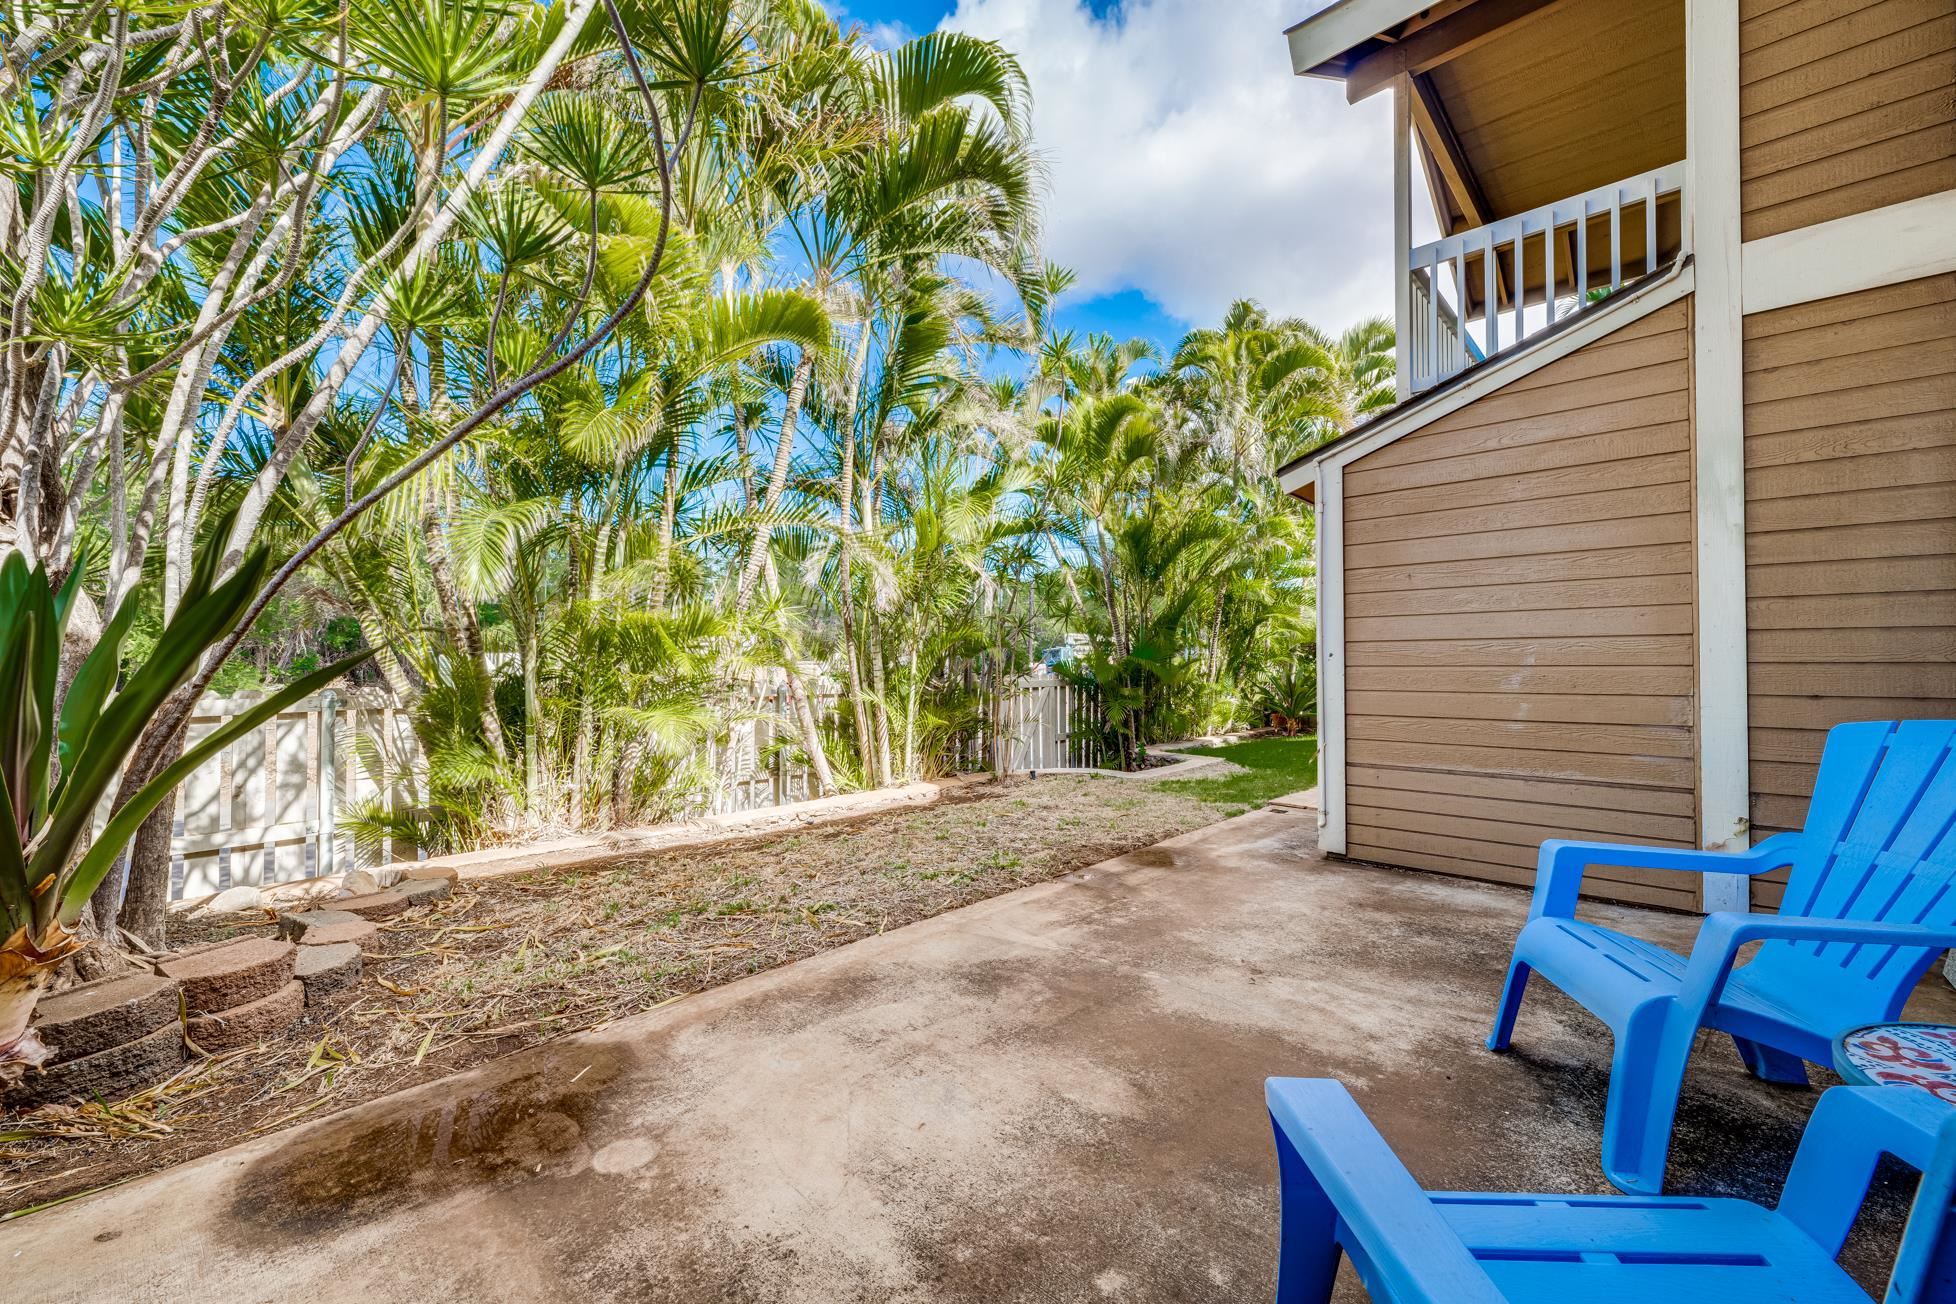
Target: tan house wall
{"points": [[1850, 450], [1518, 622], [1845, 106]]}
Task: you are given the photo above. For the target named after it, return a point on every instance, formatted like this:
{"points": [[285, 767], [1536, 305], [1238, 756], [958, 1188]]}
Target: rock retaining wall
{"points": [[112, 1038]]}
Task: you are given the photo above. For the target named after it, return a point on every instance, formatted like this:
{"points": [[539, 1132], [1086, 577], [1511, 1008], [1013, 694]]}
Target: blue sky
{"points": [[1186, 167]]}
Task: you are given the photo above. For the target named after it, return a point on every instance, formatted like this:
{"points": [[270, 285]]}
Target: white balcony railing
{"points": [[1439, 348]]}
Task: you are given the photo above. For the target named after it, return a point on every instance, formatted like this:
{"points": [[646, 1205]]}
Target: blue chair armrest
{"points": [[1560, 865], [1724, 932], [1851, 1128], [1407, 1244]]}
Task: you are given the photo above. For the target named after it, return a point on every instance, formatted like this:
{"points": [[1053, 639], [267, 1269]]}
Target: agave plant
{"points": [[56, 768]]}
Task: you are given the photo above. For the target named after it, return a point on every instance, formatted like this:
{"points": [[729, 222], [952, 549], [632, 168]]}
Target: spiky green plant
{"points": [[58, 762]]}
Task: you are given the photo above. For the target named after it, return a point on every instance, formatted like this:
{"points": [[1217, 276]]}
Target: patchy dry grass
{"points": [[507, 963]]}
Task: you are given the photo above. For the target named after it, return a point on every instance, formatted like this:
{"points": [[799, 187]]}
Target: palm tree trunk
{"points": [[777, 484], [587, 726], [1215, 639], [1115, 624], [911, 769], [846, 594], [880, 706], [532, 716], [811, 732], [668, 522]]}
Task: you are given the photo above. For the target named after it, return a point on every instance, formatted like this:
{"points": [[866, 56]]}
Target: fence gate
{"points": [[1049, 723]]}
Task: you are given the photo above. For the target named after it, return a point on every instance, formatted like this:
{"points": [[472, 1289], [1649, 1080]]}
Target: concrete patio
{"points": [[1054, 1095]]}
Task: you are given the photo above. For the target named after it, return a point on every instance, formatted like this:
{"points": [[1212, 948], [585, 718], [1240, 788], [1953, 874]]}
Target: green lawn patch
{"points": [[1272, 767]]}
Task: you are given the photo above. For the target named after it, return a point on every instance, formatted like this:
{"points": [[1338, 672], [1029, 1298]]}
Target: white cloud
{"points": [[882, 34], [1187, 161]]}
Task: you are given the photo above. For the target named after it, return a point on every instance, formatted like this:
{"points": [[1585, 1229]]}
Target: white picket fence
{"points": [[267, 809], [757, 768]]}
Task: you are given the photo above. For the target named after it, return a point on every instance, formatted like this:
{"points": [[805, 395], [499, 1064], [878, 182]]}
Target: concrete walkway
{"points": [[1051, 1096]]}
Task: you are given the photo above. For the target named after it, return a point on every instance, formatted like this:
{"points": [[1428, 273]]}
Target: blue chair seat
{"points": [[1612, 973], [1347, 1196], [1544, 1247]]}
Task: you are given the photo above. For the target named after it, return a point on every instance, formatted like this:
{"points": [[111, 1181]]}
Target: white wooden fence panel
{"points": [[266, 809], [1047, 723]]}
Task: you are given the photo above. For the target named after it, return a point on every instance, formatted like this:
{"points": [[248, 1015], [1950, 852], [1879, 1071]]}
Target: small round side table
{"points": [[1920, 1055]]}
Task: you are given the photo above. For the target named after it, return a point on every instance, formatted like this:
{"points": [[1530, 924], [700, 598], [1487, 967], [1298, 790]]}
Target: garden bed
{"points": [[508, 962]]}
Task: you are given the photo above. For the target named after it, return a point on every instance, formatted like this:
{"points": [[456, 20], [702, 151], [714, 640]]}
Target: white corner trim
{"points": [[1711, 63], [1885, 246], [1402, 234], [1486, 377], [1331, 659]]}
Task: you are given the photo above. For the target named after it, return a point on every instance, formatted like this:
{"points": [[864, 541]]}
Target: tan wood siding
{"points": [[1518, 623], [1845, 106], [1850, 454]]}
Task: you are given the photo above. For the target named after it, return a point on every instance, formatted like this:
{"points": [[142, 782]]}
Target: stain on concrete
{"points": [[508, 1129]]}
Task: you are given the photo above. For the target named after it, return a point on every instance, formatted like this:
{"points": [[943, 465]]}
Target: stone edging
{"points": [[576, 852]]}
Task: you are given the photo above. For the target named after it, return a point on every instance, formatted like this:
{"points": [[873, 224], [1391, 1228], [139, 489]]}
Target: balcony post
{"points": [[1402, 231], [1712, 235]]}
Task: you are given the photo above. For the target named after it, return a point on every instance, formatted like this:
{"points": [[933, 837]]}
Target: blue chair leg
{"points": [[1307, 1253], [1770, 1063], [1511, 994], [1646, 1075]]}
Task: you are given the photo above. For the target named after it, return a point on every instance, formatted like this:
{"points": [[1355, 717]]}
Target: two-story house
{"points": [[1671, 487]]}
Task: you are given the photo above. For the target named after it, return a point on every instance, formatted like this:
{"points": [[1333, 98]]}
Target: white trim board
{"points": [[1402, 234], [1712, 199], [1334, 30], [1502, 369], [1884, 246], [1331, 659]]}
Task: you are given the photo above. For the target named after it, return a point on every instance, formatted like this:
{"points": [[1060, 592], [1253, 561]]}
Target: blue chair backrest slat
{"points": [[1878, 845], [1902, 779], [1848, 765], [1934, 808]]}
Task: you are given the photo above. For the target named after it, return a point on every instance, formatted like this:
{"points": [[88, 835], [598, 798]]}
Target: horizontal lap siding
{"points": [[1850, 456], [1518, 623], [1845, 106]]}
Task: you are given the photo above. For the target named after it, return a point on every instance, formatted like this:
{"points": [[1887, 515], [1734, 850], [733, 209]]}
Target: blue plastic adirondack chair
{"points": [[1869, 905], [1344, 1190]]}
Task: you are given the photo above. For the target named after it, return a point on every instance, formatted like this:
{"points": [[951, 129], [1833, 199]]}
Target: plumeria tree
{"points": [[218, 211]]}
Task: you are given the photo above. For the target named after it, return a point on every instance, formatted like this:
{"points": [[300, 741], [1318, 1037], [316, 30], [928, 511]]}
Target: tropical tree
{"points": [[607, 365], [214, 233]]}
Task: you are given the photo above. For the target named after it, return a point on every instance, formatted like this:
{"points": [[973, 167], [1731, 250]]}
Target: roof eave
{"points": [[1320, 46]]}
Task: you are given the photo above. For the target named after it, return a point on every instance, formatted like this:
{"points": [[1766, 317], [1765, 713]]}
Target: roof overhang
{"points": [[1367, 44], [1330, 41], [1299, 478]]}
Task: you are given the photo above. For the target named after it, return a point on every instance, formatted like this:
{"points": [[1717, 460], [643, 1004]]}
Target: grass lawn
{"points": [[1271, 768]]}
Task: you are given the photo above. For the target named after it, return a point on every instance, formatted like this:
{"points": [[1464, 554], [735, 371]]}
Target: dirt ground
{"points": [[508, 963]]}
